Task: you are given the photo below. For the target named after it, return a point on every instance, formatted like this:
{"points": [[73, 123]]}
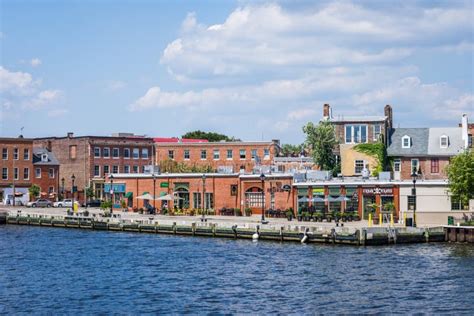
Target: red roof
{"points": [[177, 140]]}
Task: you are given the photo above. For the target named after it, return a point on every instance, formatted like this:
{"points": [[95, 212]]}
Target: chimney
{"points": [[326, 111], [70, 135], [389, 115], [464, 131]]}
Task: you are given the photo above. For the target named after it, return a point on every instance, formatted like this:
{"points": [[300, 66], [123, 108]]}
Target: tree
{"points": [[321, 139], [288, 150], [461, 177], [210, 136], [34, 191], [89, 193]]}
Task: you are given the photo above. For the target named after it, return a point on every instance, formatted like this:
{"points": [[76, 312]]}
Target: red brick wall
{"points": [[248, 163], [425, 167], [45, 181], [21, 144]]}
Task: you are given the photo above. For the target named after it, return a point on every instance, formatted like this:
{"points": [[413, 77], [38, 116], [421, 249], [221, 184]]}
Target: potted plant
{"points": [[318, 216], [86, 213], [248, 212], [237, 212], [140, 210], [289, 214]]}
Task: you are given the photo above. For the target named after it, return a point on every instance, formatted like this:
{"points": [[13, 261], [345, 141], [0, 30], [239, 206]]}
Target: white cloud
{"points": [[35, 62], [16, 83]]}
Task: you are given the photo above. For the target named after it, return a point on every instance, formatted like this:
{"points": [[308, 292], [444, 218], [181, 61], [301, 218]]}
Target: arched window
{"points": [[406, 141]]}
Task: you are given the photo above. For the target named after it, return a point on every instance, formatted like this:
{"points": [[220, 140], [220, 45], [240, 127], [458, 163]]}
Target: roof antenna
{"points": [[21, 131]]}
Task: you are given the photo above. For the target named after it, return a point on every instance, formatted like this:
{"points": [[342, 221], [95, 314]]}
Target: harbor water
{"points": [[67, 271]]}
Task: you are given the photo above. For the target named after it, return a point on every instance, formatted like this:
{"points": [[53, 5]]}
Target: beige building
{"points": [[352, 161]]}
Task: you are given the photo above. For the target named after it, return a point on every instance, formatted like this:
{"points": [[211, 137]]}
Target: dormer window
{"points": [[44, 158], [443, 141], [406, 141]]}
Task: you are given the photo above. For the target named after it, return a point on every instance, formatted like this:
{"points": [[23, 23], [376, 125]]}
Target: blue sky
{"points": [[251, 70]]}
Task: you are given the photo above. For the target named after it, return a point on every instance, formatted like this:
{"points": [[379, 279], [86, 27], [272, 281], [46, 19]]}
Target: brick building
{"points": [[353, 130], [46, 173], [229, 157], [221, 190], [90, 158], [426, 151], [16, 169]]}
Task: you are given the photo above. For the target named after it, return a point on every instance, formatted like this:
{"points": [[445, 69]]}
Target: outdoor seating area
{"points": [[310, 214]]}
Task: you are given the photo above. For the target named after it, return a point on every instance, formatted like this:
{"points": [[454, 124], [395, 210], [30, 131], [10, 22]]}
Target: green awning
{"points": [[145, 193], [128, 195], [162, 193]]}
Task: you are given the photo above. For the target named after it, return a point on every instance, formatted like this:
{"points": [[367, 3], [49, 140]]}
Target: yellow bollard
{"points": [[370, 219], [380, 219], [404, 218], [391, 220]]}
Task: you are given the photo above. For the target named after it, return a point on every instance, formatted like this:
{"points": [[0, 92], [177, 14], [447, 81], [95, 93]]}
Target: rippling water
{"points": [[53, 270]]}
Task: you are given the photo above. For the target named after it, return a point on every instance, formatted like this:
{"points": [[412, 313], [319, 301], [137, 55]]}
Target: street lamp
{"points": [[203, 196], [414, 175], [62, 186], [111, 194], [154, 190], [73, 178], [262, 178]]}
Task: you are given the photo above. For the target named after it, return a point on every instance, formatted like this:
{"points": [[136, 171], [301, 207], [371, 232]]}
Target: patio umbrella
{"points": [[167, 197], [317, 199], [146, 196], [342, 198], [303, 200]]}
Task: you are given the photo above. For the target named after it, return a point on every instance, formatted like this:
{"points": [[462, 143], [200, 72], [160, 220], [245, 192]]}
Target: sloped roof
{"points": [[455, 142], [37, 152], [360, 119], [419, 142]]}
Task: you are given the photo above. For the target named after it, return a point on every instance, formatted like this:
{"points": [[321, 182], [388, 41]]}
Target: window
{"points": [[356, 134], [115, 169], [135, 169], [266, 153], [144, 153], [96, 171], [171, 154], [73, 152], [435, 165], [26, 154], [242, 154], [209, 201], [44, 157], [186, 154], [115, 153], [377, 131], [203, 154], [358, 166], [197, 197], [15, 153], [126, 169], [96, 152], [4, 153], [136, 153], [397, 163], [4, 173], [143, 169], [415, 165], [216, 154], [15, 174], [106, 170], [457, 205], [51, 173], [406, 142], [38, 173], [443, 141], [106, 152], [230, 154], [469, 142], [411, 202], [253, 154], [51, 189], [233, 189], [26, 173], [126, 153]]}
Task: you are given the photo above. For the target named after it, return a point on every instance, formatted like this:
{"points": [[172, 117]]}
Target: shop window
{"points": [[411, 202], [197, 197]]}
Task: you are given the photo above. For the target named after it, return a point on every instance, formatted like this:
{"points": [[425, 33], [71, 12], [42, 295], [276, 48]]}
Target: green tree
{"points": [[288, 150], [321, 139], [461, 176], [210, 136], [34, 191], [90, 193]]}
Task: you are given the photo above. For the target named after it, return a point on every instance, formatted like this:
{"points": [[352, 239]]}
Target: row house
{"points": [[353, 130], [424, 151], [22, 166], [228, 157], [91, 158]]}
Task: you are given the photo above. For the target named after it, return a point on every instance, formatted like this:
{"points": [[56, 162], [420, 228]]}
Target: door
{"points": [[397, 165]]}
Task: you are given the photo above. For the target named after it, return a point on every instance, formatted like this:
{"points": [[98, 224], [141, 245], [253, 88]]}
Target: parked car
{"points": [[63, 203], [92, 203], [40, 203]]}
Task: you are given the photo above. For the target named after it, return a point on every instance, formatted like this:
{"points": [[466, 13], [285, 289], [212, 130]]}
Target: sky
{"points": [[254, 70]]}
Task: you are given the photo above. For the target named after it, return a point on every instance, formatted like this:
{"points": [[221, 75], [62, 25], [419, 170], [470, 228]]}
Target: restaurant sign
{"points": [[377, 191]]}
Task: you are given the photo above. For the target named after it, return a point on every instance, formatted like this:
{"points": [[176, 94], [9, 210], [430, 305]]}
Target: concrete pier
{"points": [[233, 227]]}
